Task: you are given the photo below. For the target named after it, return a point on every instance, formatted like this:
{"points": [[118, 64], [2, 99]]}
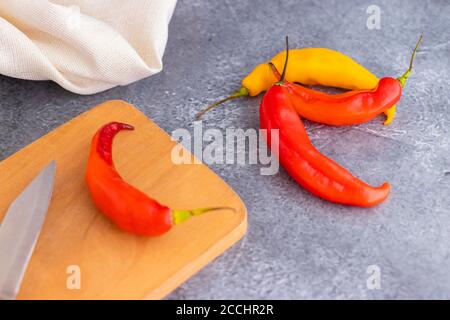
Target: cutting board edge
{"points": [[52, 132], [216, 250]]}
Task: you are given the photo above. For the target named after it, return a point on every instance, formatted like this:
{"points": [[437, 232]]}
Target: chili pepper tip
{"points": [[127, 126], [390, 115], [116, 125]]}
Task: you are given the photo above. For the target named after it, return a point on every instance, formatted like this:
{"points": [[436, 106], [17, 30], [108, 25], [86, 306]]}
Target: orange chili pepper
{"points": [[130, 209], [315, 172]]}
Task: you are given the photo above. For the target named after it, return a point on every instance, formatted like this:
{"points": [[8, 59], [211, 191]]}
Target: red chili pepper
{"points": [[352, 107], [312, 170], [130, 209], [348, 108]]}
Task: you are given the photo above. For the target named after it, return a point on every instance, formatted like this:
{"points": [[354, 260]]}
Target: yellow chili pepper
{"points": [[312, 66], [309, 66]]}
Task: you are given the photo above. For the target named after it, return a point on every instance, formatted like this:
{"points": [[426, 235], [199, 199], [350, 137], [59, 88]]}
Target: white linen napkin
{"points": [[86, 46]]}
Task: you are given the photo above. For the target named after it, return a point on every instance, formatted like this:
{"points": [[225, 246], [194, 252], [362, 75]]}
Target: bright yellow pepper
{"points": [[312, 66]]}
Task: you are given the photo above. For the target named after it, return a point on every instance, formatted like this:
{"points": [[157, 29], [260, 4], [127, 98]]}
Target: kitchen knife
{"points": [[20, 230]]}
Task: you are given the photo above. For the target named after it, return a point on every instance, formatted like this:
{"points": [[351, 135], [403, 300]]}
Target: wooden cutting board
{"points": [[114, 264]]}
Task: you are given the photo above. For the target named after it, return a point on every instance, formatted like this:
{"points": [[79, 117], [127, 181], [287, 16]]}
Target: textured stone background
{"points": [[298, 246]]}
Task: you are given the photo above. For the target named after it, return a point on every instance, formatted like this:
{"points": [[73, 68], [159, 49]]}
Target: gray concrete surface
{"points": [[297, 245]]}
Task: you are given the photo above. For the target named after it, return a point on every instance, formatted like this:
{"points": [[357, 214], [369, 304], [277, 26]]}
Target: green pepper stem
{"points": [[242, 92], [402, 79], [179, 216]]}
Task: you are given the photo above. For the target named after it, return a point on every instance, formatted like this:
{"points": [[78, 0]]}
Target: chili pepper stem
{"points": [[179, 216], [242, 92], [390, 113], [402, 79], [283, 74]]}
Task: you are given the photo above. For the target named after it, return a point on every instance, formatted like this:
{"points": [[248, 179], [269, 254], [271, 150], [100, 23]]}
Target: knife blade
{"points": [[20, 230]]}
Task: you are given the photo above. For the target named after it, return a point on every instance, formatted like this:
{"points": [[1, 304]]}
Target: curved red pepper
{"points": [[352, 107], [348, 108], [312, 170], [130, 209]]}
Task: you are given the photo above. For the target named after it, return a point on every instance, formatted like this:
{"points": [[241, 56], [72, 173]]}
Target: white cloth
{"points": [[86, 46]]}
